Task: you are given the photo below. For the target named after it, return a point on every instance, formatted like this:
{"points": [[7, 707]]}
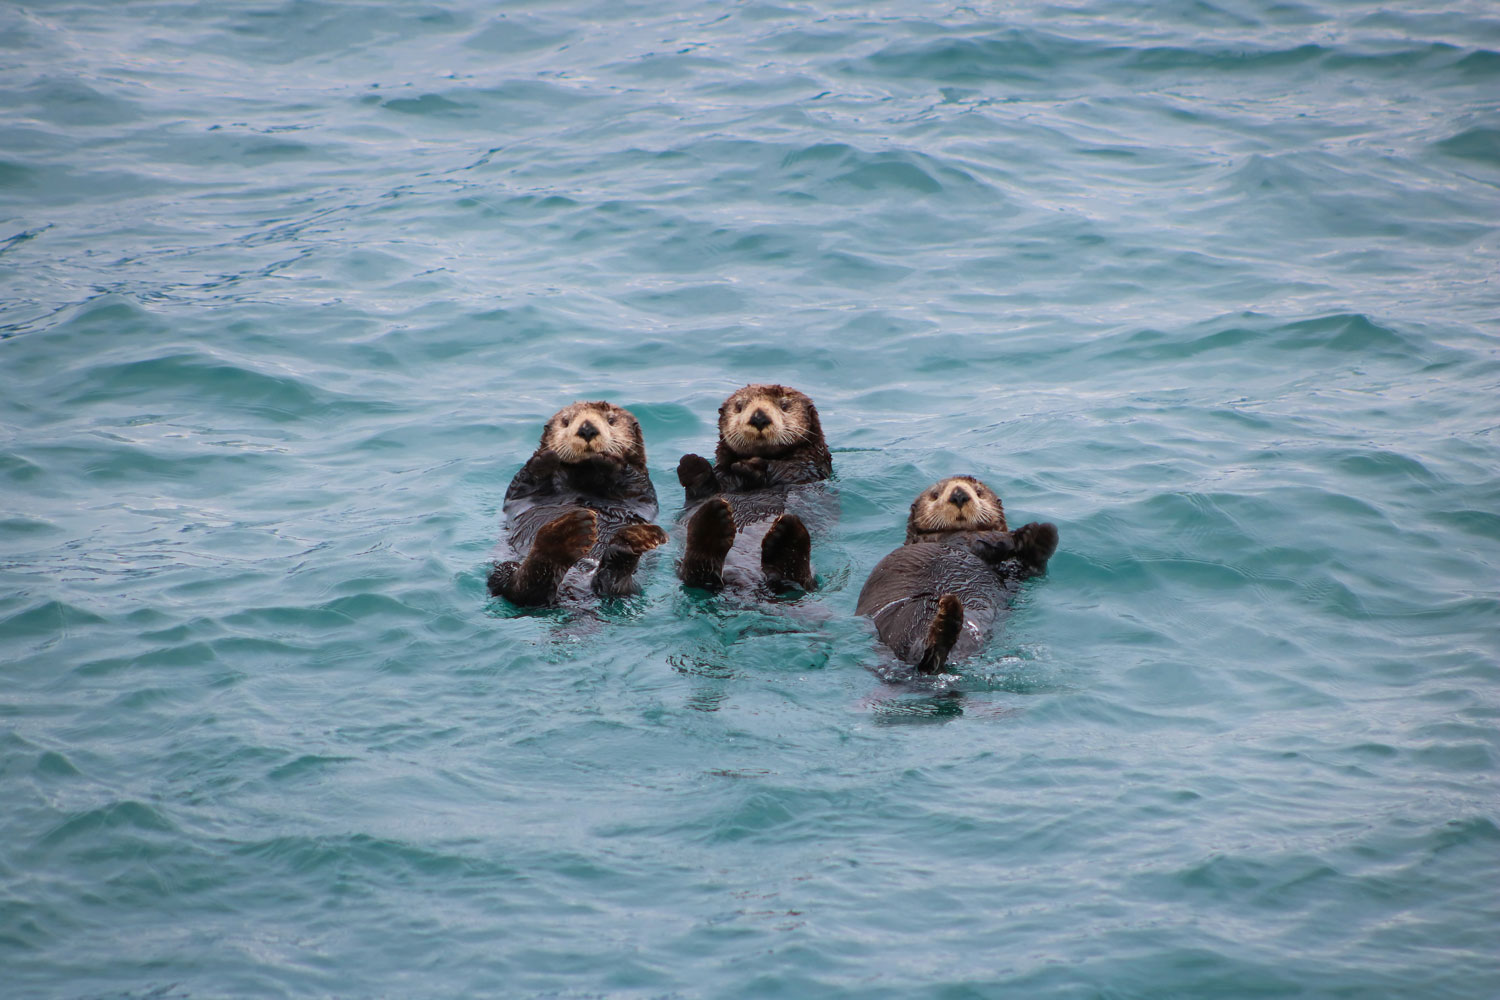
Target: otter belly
{"points": [[523, 519], [755, 511], [902, 593]]}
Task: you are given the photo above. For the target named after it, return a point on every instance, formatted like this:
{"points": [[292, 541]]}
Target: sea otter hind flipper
{"points": [[710, 534], [559, 544], [786, 554], [942, 634], [615, 576]]}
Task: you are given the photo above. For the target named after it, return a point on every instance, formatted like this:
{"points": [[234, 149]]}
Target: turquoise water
{"points": [[287, 289]]}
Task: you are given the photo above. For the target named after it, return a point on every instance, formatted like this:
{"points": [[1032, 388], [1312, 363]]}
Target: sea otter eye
{"points": [[739, 407], [783, 403], [611, 421], [933, 495]]}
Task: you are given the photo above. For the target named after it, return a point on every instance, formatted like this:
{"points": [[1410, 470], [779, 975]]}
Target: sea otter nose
{"points": [[587, 431], [759, 420], [959, 498]]}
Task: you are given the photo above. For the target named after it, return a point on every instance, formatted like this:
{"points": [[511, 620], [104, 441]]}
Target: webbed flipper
{"points": [[786, 554], [615, 576], [559, 544], [942, 633], [710, 535]]}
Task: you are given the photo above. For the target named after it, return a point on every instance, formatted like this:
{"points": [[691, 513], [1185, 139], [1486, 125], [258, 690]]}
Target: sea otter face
{"points": [[584, 429], [958, 503], [767, 420]]}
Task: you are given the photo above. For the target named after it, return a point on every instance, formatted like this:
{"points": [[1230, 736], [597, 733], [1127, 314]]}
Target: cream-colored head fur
{"points": [[958, 503], [767, 419], [583, 429]]}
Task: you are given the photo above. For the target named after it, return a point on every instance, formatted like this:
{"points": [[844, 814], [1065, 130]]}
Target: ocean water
{"points": [[288, 288]]}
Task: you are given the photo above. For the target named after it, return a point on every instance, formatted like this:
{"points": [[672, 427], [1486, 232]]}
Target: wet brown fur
{"points": [[794, 431], [935, 517], [618, 434], [591, 465], [770, 436], [958, 548]]}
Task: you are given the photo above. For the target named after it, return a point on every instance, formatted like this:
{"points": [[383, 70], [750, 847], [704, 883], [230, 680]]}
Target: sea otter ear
{"points": [[911, 516], [814, 425], [636, 456], [993, 546]]}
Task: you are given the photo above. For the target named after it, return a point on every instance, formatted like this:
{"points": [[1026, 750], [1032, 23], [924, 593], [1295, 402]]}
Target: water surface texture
{"points": [[288, 288]]}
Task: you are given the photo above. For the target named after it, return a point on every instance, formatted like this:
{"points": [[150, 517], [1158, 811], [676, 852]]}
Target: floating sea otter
{"points": [[939, 594], [582, 499], [741, 529]]}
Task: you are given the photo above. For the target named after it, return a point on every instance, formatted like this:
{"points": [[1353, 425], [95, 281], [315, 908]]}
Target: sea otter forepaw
{"points": [[603, 463], [993, 546], [545, 463], [750, 474], [696, 474], [1035, 543]]}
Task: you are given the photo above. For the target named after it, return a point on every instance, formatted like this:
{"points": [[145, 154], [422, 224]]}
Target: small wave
{"points": [[427, 104], [1014, 56], [1347, 332], [1482, 144], [306, 854], [1240, 338], [115, 817], [511, 34], [69, 102], [839, 172], [1018, 56], [47, 619]]}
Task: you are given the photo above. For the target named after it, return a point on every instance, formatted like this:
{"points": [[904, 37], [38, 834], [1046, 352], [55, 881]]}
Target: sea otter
{"points": [[939, 594], [583, 498], [770, 449]]}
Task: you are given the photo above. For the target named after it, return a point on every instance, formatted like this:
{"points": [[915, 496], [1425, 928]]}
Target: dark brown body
{"points": [[938, 596], [746, 510], [569, 507]]}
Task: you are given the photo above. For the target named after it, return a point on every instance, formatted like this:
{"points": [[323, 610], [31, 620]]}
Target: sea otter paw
{"points": [[1035, 543], [710, 535], [786, 554], [602, 465], [696, 474], [993, 546], [545, 463], [751, 473]]}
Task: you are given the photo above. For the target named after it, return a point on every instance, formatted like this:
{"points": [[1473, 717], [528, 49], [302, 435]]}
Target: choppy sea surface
{"points": [[288, 288]]}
